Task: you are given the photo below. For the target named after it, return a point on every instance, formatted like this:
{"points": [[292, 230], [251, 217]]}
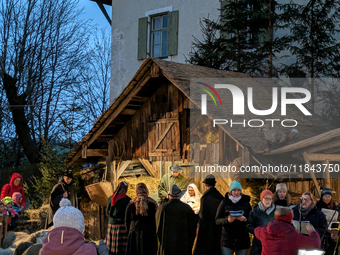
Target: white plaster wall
{"points": [[125, 15]]}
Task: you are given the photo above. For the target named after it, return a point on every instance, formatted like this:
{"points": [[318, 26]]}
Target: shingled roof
{"points": [[180, 76]]}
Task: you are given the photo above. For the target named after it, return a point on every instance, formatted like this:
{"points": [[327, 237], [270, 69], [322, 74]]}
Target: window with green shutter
{"points": [[158, 35]]}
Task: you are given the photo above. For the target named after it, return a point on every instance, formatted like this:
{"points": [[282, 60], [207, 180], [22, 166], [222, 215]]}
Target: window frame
{"points": [[161, 30], [149, 15]]}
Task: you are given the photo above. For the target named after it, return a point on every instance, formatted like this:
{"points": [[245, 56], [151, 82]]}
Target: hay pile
{"points": [[151, 183], [37, 214]]}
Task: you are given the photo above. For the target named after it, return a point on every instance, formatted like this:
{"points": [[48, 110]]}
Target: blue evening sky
{"points": [[92, 11]]}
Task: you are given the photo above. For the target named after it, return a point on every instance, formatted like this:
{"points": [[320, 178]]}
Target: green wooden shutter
{"points": [[142, 38], [173, 33]]}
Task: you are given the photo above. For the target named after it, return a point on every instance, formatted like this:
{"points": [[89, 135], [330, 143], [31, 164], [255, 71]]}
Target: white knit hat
{"points": [[280, 186], [68, 216]]}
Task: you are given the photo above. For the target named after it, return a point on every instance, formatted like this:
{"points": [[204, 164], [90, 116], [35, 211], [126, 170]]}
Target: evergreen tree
{"points": [[245, 42], [51, 168], [208, 51], [314, 39]]}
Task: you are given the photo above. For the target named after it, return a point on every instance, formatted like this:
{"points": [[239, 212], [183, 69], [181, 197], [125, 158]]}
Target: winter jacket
{"points": [[286, 202], [66, 241], [315, 217], [280, 237], [9, 189], [234, 235], [9, 212], [33, 250], [209, 234], [56, 196], [116, 213], [258, 218], [328, 244]]}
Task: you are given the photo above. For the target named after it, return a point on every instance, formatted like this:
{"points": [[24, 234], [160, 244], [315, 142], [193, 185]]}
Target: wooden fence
{"points": [[3, 227]]}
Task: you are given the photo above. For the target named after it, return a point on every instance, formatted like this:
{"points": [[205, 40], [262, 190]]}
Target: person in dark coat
{"points": [[259, 216], [279, 236], [141, 224], [232, 214], [327, 202], [310, 213], [117, 236], [64, 189], [176, 226], [209, 234], [281, 196]]}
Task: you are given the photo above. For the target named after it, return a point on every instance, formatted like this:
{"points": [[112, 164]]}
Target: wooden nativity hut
{"points": [[156, 121]]}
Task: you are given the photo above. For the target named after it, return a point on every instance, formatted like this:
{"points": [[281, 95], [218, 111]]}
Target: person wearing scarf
{"points": [[281, 195], [140, 221], [116, 238], [259, 216], [326, 201], [192, 197], [309, 212], [232, 215]]}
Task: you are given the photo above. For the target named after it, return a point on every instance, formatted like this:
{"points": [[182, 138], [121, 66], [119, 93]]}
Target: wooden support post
{"points": [[245, 157], [326, 175], [115, 175], [317, 187], [305, 186]]}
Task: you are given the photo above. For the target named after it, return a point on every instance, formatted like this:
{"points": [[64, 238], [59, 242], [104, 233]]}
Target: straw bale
{"points": [[151, 183], [37, 214]]}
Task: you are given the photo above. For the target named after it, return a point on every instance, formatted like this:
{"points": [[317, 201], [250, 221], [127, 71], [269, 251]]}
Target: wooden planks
{"points": [[148, 167], [122, 167]]}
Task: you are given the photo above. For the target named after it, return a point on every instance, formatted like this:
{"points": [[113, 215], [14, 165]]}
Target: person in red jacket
{"points": [[15, 185], [280, 237]]}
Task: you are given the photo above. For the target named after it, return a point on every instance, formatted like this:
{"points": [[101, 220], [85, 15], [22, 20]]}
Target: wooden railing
{"points": [[3, 227]]}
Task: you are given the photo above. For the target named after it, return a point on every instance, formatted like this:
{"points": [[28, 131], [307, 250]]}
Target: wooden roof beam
{"points": [[323, 146], [323, 157], [114, 114], [102, 8]]}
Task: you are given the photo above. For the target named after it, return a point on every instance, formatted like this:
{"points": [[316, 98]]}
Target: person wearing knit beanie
{"points": [[265, 193], [281, 196], [235, 185], [327, 202], [69, 216], [67, 235], [232, 215], [7, 200], [261, 215]]}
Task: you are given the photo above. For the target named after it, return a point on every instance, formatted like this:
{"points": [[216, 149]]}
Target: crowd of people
{"points": [[13, 201], [181, 220], [220, 225]]}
